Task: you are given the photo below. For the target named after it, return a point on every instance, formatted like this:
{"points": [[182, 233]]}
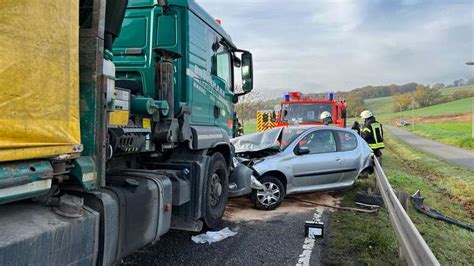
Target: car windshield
{"points": [[289, 135], [304, 112]]}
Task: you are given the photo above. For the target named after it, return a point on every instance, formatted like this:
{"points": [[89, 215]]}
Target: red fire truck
{"points": [[297, 108]]}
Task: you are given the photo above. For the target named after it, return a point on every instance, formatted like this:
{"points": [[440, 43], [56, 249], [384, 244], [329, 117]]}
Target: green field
{"points": [[250, 126], [454, 133], [380, 105], [359, 238], [462, 106], [384, 105], [426, 121]]}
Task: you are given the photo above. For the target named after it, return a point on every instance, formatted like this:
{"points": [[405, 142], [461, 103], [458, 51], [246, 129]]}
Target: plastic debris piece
{"points": [[213, 236], [418, 203]]}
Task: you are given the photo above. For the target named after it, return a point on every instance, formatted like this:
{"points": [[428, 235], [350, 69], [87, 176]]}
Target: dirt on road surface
{"points": [[263, 237], [242, 210], [457, 156]]}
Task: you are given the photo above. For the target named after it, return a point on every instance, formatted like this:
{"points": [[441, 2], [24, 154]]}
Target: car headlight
{"points": [[255, 184]]}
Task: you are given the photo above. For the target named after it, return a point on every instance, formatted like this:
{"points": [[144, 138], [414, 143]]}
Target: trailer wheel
{"points": [[217, 190]]}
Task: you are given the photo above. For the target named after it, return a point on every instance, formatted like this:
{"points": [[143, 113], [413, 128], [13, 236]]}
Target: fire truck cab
{"points": [[299, 109]]}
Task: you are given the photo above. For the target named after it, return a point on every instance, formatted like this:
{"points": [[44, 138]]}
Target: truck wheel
{"points": [[217, 190], [270, 197]]}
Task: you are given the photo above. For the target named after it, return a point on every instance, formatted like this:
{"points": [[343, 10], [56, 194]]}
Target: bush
{"points": [[462, 94]]}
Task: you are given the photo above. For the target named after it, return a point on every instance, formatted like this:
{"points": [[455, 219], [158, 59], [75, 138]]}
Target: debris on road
{"points": [[314, 229], [213, 236], [241, 209], [335, 207], [417, 202], [369, 198]]}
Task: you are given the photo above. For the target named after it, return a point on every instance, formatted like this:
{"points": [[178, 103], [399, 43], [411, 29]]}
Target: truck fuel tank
{"points": [[135, 209]]}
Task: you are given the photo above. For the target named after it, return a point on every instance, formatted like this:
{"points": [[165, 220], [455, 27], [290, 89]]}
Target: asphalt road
{"points": [[458, 156], [263, 238]]}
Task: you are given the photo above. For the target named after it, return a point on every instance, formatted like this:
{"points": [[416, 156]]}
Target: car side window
{"points": [[320, 141], [348, 141]]}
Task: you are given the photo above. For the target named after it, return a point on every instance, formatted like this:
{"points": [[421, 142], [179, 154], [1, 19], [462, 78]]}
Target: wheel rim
{"points": [[269, 195], [216, 189]]}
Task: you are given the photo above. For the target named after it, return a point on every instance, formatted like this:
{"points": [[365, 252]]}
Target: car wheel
{"points": [[216, 194], [271, 196]]}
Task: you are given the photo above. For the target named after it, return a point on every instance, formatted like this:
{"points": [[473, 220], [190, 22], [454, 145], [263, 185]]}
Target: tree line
{"points": [[406, 96], [425, 96]]}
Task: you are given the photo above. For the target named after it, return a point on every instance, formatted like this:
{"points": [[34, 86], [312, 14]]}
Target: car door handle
{"points": [[338, 159]]}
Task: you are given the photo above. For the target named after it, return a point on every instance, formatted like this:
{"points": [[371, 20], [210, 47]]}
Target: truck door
{"points": [[222, 75], [198, 73]]}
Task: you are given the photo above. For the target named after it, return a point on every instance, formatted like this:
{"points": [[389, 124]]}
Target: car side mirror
{"points": [[302, 150], [247, 72]]}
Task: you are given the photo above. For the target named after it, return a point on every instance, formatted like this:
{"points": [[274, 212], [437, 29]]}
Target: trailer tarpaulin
{"points": [[39, 78]]}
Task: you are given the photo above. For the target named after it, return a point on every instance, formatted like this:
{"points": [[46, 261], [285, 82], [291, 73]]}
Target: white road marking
{"points": [[308, 244]]}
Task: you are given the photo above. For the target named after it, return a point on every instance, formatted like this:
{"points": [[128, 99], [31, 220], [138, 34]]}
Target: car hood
{"points": [[258, 141]]}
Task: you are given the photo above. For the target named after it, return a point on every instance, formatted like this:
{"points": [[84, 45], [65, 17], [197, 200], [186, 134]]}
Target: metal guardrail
{"points": [[412, 245]]}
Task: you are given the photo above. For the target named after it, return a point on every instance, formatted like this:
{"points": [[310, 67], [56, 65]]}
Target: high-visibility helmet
{"points": [[366, 114], [324, 115]]}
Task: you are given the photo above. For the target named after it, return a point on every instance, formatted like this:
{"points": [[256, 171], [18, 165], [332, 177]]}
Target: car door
{"points": [[350, 155], [320, 168]]}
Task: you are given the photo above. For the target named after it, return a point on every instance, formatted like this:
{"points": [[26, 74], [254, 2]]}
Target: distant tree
{"points": [[249, 104], [439, 86], [355, 105], [426, 96], [369, 92], [470, 81], [458, 83], [462, 94], [402, 102]]}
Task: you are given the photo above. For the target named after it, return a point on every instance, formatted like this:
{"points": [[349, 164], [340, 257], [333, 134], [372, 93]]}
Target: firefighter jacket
{"points": [[372, 133]]}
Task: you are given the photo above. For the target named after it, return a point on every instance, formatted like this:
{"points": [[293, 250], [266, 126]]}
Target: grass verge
{"points": [[454, 133], [250, 126], [362, 238]]}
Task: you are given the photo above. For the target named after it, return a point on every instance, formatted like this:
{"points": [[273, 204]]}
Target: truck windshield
{"points": [[304, 112]]}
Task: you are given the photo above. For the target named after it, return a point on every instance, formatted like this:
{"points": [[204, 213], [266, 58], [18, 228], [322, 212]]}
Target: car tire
{"points": [[216, 191], [369, 198], [271, 197]]}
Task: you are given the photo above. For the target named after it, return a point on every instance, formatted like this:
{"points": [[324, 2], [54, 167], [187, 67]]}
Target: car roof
{"points": [[306, 127]]}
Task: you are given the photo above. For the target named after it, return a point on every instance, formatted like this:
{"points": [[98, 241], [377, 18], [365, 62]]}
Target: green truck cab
{"points": [[156, 113], [204, 59]]}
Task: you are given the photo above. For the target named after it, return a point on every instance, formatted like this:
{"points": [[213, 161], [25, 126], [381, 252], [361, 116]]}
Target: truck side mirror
{"points": [[247, 72]]}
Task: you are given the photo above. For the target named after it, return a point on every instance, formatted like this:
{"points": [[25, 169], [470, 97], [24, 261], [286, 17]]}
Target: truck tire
{"points": [[271, 197], [215, 198]]}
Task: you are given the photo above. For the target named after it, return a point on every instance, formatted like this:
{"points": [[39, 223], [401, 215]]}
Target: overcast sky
{"points": [[318, 45]]}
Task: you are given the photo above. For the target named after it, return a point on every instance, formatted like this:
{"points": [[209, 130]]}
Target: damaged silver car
{"points": [[299, 159]]}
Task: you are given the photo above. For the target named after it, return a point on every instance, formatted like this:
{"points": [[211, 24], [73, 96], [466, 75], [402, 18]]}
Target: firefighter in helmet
{"points": [[372, 133], [326, 118]]}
